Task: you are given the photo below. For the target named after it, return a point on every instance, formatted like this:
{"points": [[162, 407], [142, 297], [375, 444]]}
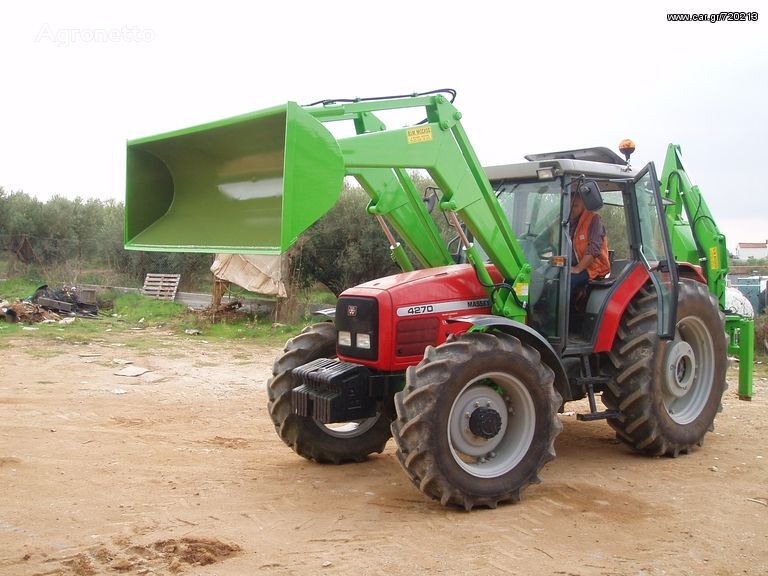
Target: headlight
{"points": [[546, 173], [345, 338], [364, 341]]}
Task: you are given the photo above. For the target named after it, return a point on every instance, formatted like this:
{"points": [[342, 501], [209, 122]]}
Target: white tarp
{"points": [[259, 274], [736, 302]]}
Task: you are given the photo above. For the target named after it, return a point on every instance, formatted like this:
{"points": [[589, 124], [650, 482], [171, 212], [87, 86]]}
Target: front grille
{"points": [[414, 335], [358, 316]]}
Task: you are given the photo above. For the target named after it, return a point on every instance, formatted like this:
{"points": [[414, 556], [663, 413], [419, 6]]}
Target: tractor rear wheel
{"points": [[477, 420], [668, 392], [324, 443]]}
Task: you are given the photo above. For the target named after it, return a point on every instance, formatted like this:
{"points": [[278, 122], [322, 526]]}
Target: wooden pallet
{"points": [[161, 286]]}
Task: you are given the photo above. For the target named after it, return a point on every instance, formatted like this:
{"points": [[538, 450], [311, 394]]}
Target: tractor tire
{"points": [[477, 420], [667, 392], [323, 443]]}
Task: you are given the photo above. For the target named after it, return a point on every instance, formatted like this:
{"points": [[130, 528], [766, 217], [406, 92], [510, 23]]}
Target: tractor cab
{"points": [[536, 197]]}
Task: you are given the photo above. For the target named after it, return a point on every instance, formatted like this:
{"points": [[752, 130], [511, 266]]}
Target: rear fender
{"points": [[691, 271], [613, 310]]}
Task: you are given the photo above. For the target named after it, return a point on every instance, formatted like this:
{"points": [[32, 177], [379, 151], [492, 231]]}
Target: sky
{"points": [[79, 79]]}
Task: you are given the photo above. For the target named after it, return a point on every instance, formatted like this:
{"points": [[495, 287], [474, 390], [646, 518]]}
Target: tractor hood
{"points": [[453, 282]]}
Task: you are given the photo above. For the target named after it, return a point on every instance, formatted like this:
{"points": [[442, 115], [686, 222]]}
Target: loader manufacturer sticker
{"points": [[714, 259], [521, 289], [420, 134], [436, 307]]}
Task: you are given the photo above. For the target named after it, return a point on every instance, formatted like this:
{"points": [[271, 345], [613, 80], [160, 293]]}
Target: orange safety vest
{"points": [[601, 265]]}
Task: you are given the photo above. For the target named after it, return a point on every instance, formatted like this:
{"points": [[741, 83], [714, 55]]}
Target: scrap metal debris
{"points": [[47, 306], [65, 300]]}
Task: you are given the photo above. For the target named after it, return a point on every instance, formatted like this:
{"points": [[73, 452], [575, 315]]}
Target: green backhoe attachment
{"points": [[696, 239], [233, 185]]}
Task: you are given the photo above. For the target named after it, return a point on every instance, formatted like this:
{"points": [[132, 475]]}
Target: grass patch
{"points": [[20, 288], [247, 329], [143, 342], [320, 294], [132, 307], [40, 353], [136, 318]]}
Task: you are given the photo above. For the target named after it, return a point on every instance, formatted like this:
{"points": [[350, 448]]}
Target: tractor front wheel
{"points": [[324, 443], [668, 392], [477, 420]]}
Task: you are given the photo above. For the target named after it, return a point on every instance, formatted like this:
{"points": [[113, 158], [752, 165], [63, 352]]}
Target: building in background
{"points": [[755, 250]]}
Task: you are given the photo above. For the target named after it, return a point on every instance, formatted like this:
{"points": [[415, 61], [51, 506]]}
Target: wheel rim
{"points": [[689, 371], [349, 429], [494, 456]]}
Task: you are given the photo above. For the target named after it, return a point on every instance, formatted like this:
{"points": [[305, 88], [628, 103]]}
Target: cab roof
{"points": [[599, 162]]}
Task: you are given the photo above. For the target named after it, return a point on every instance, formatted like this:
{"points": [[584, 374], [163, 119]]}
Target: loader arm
{"points": [[393, 195], [254, 183], [440, 146]]}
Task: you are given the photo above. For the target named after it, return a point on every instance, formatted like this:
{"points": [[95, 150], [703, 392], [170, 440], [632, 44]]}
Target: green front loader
{"points": [[232, 186], [466, 356]]}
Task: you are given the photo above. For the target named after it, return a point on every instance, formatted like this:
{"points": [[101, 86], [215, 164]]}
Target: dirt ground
{"points": [[179, 470]]}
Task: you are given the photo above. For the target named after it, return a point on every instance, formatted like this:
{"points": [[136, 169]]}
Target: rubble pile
{"points": [[224, 313], [48, 305], [23, 311]]}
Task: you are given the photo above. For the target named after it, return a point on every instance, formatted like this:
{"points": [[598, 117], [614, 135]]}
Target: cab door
{"points": [[654, 247]]}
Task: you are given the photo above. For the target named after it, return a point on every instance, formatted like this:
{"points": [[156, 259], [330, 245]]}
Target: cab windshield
{"points": [[533, 211]]}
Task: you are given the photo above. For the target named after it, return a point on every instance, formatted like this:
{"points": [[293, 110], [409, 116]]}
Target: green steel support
{"points": [[741, 343]]}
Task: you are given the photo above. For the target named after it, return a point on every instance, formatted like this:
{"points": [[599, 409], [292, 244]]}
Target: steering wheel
{"points": [[537, 247]]}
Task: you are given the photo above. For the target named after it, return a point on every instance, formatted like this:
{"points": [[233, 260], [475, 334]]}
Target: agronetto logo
{"points": [[67, 36]]}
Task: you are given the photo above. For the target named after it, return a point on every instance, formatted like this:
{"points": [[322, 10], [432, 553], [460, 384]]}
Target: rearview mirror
{"points": [[590, 194]]}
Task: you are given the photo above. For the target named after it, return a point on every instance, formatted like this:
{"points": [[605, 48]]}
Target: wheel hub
{"points": [[485, 422], [478, 421], [680, 369]]}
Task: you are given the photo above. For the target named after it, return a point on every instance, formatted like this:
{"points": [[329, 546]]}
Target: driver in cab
{"points": [[590, 245]]}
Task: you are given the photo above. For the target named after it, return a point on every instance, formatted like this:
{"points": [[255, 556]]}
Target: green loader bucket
{"points": [[249, 184]]}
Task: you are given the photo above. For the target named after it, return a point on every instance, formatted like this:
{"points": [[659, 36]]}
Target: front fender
{"points": [[528, 336]]}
